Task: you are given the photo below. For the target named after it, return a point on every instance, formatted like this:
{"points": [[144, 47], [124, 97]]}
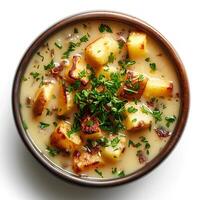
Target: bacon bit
{"points": [[29, 101], [177, 95], [52, 53], [141, 157], [90, 125], [162, 133], [56, 70]]}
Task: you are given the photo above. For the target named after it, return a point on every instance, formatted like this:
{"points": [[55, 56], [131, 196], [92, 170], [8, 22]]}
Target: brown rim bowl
{"points": [[184, 96]]}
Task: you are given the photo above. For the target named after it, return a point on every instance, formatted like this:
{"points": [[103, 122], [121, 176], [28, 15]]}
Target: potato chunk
{"points": [[78, 71], [115, 147], [133, 86], [135, 118], [65, 100], [97, 53], [107, 71], [158, 88], [83, 160], [62, 140], [90, 128], [41, 98], [137, 45]]}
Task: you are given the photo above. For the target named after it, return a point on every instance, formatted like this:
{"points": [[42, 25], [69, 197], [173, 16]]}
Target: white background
{"points": [[22, 177]]}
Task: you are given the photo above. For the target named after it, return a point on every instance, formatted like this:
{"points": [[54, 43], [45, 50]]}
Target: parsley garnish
{"points": [[104, 28], [131, 109], [111, 58], [43, 125], [153, 66], [125, 64], [35, 75], [50, 65], [75, 30], [58, 45], [84, 38], [39, 54], [82, 74], [52, 151], [131, 143], [99, 173], [170, 119], [115, 141]]}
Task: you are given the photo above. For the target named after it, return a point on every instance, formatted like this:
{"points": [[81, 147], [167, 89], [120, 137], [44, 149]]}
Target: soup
{"points": [[100, 99]]}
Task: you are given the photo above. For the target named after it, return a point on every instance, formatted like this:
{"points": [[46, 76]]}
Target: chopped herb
{"points": [[50, 65], [157, 115], [24, 78], [99, 173], [104, 28], [71, 48], [115, 141], [153, 66], [84, 38], [90, 123], [70, 132], [48, 112], [147, 59], [131, 109], [39, 54], [43, 125], [55, 124], [58, 45], [170, 119], [52, 151], [121, 173], [74, 86], [24, 124], [121, 44], [35, 75], [106, 68], [134, 120], [131, 143], [111, 58], [75, 30], [114, 170], [82, 74], [125, 64], [146, 144]]}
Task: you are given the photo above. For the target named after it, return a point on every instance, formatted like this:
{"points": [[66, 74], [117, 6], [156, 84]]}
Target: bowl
{"points": [[184, 97]]}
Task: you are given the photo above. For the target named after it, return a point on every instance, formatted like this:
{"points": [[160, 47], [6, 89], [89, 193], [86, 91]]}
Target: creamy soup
{"points": [[100, 99]]}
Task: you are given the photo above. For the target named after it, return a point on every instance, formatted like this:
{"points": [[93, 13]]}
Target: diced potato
{"points": [[115, 147], [158, 88], [107, 70], [41, 98], [78, 71], [65, 100], [83, 160], [97, 53], [64, 141], [137, 45], [135, 118], [90, 128], [133, 86]]}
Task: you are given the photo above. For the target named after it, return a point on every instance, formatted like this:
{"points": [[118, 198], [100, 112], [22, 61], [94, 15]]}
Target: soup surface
{"points": [[100, 99]]}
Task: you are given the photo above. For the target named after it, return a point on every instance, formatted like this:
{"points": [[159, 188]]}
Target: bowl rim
{"points": [[107, 16]]}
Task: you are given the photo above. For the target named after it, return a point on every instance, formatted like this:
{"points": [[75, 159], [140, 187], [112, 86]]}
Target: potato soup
{"points": [[100, 99]]}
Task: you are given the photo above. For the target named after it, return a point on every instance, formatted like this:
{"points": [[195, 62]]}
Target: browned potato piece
{"points": [[62, 140], [90, 128], [41, 98], [83, 160], [133, 86], [158, 88], [65, 100], [135, 118], [97, 53], [78, 71]]}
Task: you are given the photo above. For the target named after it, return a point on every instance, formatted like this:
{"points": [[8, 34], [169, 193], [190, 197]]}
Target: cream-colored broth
{"points": [[165, 70]]}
